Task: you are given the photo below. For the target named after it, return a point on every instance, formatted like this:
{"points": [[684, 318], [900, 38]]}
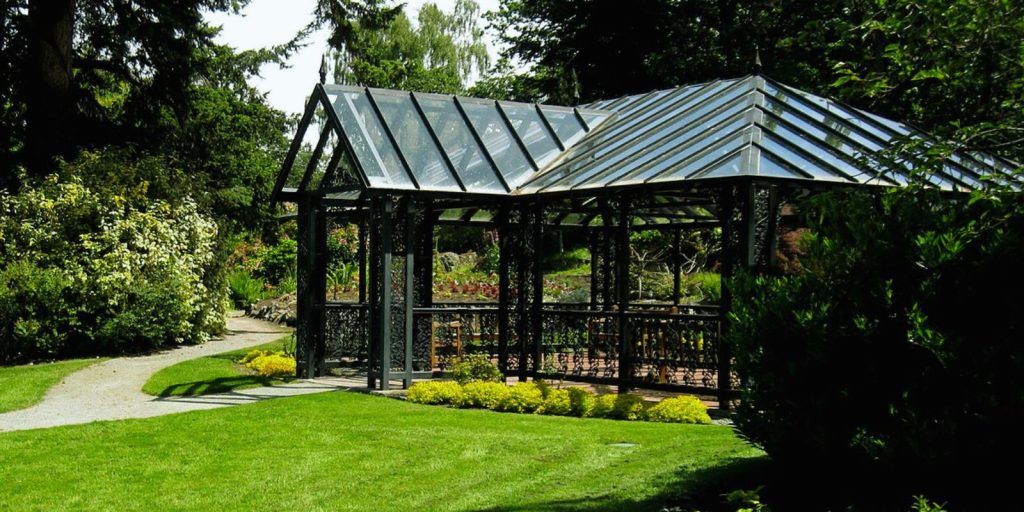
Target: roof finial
{"points": [[323, 68], [757, 59]]}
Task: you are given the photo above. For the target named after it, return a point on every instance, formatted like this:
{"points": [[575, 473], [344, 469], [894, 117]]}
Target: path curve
{"points": [[112, 390]]}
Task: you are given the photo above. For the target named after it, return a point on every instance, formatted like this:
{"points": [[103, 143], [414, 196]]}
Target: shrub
{"points": [[484, 394], [897, 349], [523, 397], [556, 403], [436, 393], [275, 364], [680, 409], [475, 367], [133, 271], [622, 406], [279, 261], [581, 401], [245, 289]]}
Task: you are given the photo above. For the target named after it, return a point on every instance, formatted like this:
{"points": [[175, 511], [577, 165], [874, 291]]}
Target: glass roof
{"points": [[749, 126]]}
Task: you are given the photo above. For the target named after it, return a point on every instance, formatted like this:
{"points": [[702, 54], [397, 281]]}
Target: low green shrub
{"points": [[581, 401], [436, 393], [473, 368], [622, 406], [556, 403], [523, 397], [245, 290], [484, 394], [279, 261], [680, 409]]}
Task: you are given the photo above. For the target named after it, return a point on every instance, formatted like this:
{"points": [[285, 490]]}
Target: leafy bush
{"points": [[680, 409], [490, 260], [581, 401], [896, 350], [91, 268], [484, 394], [567, 260], [556, 403], [276, 364], [245, 289], [475, 367], [523, 397], [279, 261], [622, 406], [436, 393]]}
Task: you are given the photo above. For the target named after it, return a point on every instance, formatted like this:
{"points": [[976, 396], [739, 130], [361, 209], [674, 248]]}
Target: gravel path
{"points": [[112, 390]]}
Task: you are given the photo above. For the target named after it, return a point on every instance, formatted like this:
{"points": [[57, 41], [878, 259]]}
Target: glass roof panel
{"points": [[731, 135], [669, 137], [567, 126], [414, 141], [730, 167], [498, 142], [527, 123], [369, 142], [702, 162], [459, 143], [593, 119], [810, 167]]}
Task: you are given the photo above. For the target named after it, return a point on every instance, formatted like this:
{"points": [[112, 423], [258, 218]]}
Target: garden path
{"points": [[112, 390]]}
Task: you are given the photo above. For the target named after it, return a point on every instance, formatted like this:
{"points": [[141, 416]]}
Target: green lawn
{"points": [[211, 374], [24, 386], [349, 451]]}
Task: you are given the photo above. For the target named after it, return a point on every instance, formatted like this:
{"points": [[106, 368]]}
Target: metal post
{"points": [[303, 306], [676, 267], [410, 292], [387, 245], [361, 256], [504, 250], [537, 288], [622, 294], [318, 287]]}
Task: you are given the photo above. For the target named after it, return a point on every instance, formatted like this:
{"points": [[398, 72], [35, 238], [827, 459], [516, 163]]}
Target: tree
{"points": [[952, 67], [582, 51], [441, 53]]}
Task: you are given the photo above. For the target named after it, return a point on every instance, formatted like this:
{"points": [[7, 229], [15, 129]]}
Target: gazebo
{"points": [[722, 155]]}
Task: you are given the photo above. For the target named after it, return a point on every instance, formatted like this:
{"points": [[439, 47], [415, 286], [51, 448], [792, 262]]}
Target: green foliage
{"points": [[556, 403], [622, 406], [245, 290], [436, 393], [484, 394], [581, 401], [584, 51], [437, 54], [218, 373], [473, 368], [971, 85], [279, 261], [490, 260], [567, 260], [680, 409], [896, 350], [90, 267], [523, 397]]}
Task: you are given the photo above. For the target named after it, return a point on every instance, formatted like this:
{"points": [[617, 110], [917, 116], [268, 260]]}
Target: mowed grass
{"points": [[24, 386], [355, 452], [211, 374]]}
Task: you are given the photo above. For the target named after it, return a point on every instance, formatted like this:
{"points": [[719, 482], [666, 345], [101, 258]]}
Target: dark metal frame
{"points": [[395, 332]]}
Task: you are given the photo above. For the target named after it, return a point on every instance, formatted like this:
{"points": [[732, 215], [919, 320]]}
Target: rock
{"points": [[280, 310], [448, 260]]}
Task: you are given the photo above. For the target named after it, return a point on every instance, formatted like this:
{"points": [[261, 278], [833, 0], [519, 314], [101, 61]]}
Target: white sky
{"points": [[266, 23]]}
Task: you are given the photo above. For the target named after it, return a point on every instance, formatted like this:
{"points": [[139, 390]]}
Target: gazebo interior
{"points": [[726, 155]]}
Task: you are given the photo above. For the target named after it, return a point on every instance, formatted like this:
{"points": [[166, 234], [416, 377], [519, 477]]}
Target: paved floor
{"points": [[112, 390]]}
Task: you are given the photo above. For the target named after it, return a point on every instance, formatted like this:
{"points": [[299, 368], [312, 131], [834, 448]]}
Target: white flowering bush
{"points": [[87, 269]]}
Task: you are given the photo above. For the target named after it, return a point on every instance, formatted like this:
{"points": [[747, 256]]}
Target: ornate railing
{"points": [[346, 333], [458, 329], [656, 346]]}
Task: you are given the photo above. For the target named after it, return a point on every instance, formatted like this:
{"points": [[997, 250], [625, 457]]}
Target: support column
{"points": [[381, 293], [505, 248], [311, 287], [677, 257], [622, 263]]}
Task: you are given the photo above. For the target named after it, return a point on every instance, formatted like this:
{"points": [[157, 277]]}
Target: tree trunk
{"points": [[49, 106]]}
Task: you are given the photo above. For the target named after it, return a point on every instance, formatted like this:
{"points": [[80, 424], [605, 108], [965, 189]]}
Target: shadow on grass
{"points": [[701, 490], [218, 385]]}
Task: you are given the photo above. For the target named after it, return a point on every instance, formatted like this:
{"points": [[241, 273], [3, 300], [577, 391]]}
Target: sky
{"points": [[266, 23]]}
